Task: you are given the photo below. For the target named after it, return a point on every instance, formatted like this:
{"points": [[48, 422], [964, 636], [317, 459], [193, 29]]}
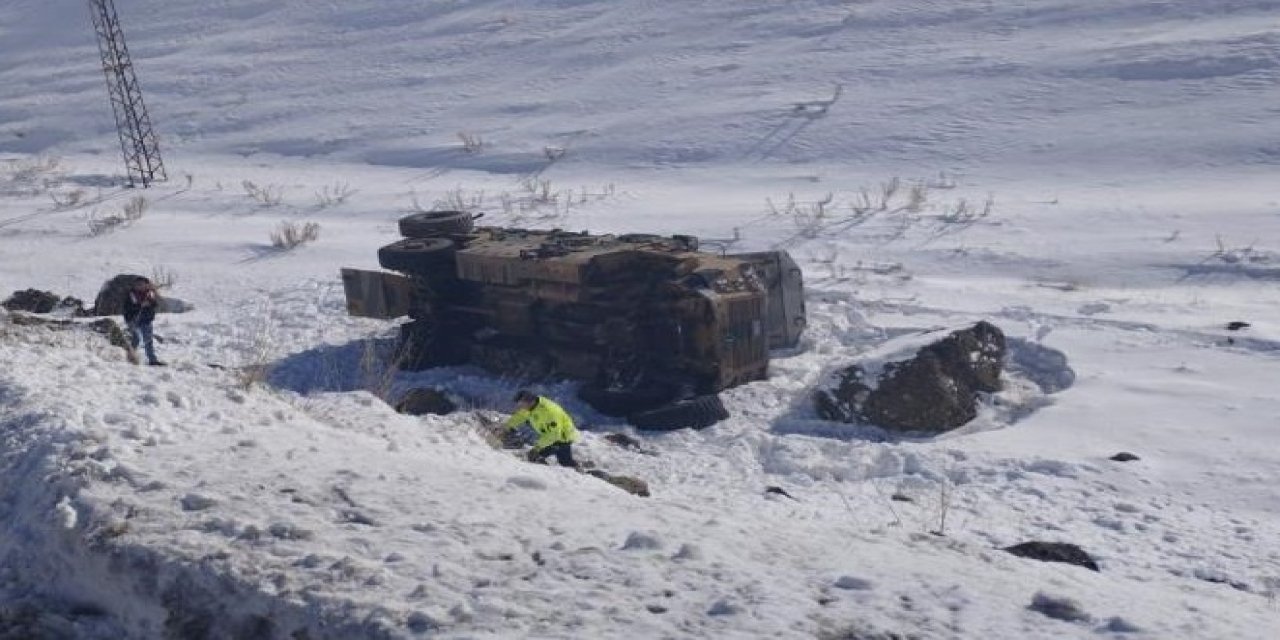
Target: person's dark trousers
{"points": [[563, 451]]}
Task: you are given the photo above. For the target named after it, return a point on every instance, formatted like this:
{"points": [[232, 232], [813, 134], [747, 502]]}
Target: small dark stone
{"points": [[779, 491], [425, 401], [419, 622], [622, 440], [634, 486], [656, 608], [1120, 625], [1237, 325], [1124, 456], [73, 305], [196, 502], [1054, 552]]}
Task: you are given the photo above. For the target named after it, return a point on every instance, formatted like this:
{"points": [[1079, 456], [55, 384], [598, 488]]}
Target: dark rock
{"points": [[1054, 552], [1237, 325], [724, 608], [622, 440], [629, 443], [1124, 456], [72, 306], [36, 301], [108, 327], [425, 401], [853, 583], [634, 486], [935, 390], [778, 491], [32, 301], [1120, 625], [196, 502], [1058, 608], [419, 622], [110, 300]]}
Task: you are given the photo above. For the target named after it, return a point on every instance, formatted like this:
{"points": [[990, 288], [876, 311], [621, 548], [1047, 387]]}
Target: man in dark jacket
{"points": [[139, 312]]}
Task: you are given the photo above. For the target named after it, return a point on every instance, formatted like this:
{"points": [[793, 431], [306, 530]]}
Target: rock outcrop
{"points": [[425, 401], [36, 301], [110, 300], [1054, 552], [931, 388]]}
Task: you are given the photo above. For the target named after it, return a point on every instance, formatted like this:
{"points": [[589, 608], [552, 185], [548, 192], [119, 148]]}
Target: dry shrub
{"points": [[290, 235], [471, 143], [267, 195], [133, 210]]}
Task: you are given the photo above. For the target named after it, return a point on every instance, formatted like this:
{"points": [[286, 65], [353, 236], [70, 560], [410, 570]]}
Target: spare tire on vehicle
{"points": [[428, 224], [421, 255], [698, 412]]}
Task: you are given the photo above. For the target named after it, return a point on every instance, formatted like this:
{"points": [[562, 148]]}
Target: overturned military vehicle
{"points": [[652, 326]]}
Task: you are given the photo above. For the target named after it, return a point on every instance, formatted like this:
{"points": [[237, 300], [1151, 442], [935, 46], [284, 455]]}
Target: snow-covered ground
{"points": [[1096, 178]]}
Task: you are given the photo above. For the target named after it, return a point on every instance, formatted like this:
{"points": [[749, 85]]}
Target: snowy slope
{"points": [[1127, 152]]}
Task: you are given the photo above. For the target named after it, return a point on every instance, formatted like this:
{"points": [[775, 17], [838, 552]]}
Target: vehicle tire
{"points": [[417, 255], [618, 403], [429, 224], [695, 413]]}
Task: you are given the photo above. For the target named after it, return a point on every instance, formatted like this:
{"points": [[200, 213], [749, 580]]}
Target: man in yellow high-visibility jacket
{"points": [[556, 433]]}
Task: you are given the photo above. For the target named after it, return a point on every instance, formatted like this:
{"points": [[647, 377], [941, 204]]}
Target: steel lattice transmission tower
{"points": [[137, 140]]}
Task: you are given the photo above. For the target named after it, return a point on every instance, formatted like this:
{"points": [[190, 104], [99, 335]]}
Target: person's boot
{"points": [[157, 363]]}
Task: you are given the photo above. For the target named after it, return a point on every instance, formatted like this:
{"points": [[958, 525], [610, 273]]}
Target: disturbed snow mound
{"points": [[106, 327]]}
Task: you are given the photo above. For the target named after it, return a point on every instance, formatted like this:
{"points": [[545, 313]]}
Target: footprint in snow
{"points": [[641, 541], [526, 482]]}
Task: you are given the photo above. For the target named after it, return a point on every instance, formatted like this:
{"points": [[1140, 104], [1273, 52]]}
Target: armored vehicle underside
{"points": [[641, 319]]}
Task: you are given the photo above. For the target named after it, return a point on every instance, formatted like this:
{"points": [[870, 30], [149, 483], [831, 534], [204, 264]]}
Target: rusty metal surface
{"points": [[376, 294], [784, 283], [584, 307]]}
